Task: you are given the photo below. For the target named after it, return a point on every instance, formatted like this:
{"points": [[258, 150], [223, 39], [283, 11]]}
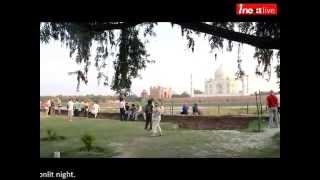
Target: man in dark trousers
{"points": [[148, 109], [127, 111], [272, 103], [195, 109], [122, 108]]}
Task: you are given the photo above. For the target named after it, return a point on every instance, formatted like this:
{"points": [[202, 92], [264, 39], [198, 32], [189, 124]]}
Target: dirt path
{"points": [[231, 143], [222, 143], [120, 148], [124, 149]]}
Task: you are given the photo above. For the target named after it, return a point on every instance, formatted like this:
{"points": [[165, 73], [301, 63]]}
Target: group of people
{"points": [[128, 112], [75, 108], [51, 105], [272, 105], [195, 109], [151, 113]]}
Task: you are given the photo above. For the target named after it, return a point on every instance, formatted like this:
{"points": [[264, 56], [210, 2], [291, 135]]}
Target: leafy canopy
{"points": [[120, 41]]}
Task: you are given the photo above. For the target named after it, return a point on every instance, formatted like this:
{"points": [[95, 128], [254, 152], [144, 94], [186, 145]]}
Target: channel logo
{"points": [[256, 9]]}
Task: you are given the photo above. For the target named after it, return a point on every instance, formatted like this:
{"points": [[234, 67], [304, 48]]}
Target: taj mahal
{"points": [[225, 84]]}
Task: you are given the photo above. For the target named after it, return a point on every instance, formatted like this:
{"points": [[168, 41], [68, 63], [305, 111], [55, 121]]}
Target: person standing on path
{"points": [[272, 103], [156, 118]]}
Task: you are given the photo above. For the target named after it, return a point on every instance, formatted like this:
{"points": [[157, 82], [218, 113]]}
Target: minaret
{"points": [[191, 89], [243, 86], [247, 84]]}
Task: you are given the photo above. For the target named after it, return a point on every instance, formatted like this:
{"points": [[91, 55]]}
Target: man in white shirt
{"points": [[156, 118], [70, 109], [59, 105], [95, 109], [139, 112], [122, 105]]}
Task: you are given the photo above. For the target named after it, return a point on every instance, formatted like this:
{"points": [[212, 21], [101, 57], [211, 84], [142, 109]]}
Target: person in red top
{"points": [[272, 103]]}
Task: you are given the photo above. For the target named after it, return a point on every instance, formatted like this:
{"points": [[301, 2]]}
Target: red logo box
{"points": [[256, 9]]}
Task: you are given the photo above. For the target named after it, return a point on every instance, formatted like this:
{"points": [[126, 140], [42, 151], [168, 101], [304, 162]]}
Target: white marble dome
{"points": [[223, 73]]}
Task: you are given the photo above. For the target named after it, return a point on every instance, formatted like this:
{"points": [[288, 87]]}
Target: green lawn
{"points": [[129, 139]]}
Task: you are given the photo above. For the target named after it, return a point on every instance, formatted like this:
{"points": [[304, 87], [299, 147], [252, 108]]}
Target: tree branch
{"points": [[259, 42], [111, 26]]}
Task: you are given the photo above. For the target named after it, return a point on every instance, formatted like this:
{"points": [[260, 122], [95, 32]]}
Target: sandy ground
{"points": [[223, 143]]}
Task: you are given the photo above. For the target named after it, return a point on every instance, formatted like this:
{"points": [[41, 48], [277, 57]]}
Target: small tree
{"points": [[196, 91], [52, 135], [88, 140], [185, 94]]}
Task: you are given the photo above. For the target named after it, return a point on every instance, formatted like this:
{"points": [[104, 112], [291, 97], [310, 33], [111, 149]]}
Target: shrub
{"points": [[52, 136], [88, 140]]}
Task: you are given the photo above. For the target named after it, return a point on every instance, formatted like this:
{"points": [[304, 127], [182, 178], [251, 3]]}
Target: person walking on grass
{"points": [[272, 103], [70, 105], [156, 118], [148, 109]]}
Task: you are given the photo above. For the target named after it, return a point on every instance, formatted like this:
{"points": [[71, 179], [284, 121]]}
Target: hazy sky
{"points": [[173, 66]]}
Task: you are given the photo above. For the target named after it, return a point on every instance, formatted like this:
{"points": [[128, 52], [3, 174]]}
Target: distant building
{"points": [[224, 84], [144, 94], [160, 92]]}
